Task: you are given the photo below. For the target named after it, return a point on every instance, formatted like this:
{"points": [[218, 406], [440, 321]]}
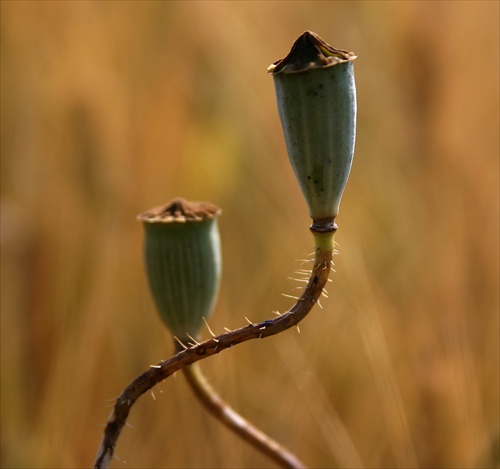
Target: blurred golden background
{"points": [[111, 108]]}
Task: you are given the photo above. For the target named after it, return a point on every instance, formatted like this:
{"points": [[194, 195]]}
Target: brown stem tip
{"points": [[310, 51]]}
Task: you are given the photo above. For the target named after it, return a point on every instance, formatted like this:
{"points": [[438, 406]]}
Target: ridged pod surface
{"points": [[316, 97], [183, 263]]}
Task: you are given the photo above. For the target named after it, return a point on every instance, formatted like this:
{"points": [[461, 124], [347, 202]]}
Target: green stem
{"points": [[222, 411]]}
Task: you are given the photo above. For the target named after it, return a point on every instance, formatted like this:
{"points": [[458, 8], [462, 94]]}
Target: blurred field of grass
{"points": [[110, 108]]}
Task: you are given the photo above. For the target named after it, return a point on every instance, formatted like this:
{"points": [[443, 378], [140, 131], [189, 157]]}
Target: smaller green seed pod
{"points": [[316, 97], [183, 263]]}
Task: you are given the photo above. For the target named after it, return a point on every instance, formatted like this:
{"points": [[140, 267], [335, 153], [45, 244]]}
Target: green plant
{"points": [[317, 105]]}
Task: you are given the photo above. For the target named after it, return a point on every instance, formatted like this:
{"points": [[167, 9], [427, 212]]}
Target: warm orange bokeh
{"points": [[111, 108]]}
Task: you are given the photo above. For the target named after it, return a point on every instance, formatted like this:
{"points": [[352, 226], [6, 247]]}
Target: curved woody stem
{"points": [[207, 348], [235, 422]]}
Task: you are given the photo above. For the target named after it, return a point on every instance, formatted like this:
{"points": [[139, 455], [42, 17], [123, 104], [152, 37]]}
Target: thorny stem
{"points": [[222, 411], [199, 351]]}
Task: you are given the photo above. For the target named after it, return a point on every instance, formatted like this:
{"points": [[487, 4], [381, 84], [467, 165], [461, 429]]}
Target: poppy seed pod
{"points": [[316, 97], [183, 263]]}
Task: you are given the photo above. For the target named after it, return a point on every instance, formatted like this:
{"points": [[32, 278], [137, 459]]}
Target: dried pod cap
{"points": [[183, 263], [316, 97]]}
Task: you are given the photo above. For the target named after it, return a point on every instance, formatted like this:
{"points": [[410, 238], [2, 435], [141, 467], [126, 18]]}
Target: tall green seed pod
{"points": [[183, 263], [316, 97]]}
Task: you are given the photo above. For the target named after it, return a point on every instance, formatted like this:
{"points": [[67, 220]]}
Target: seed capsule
{"points": [[316, 96], [183, 263]]}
